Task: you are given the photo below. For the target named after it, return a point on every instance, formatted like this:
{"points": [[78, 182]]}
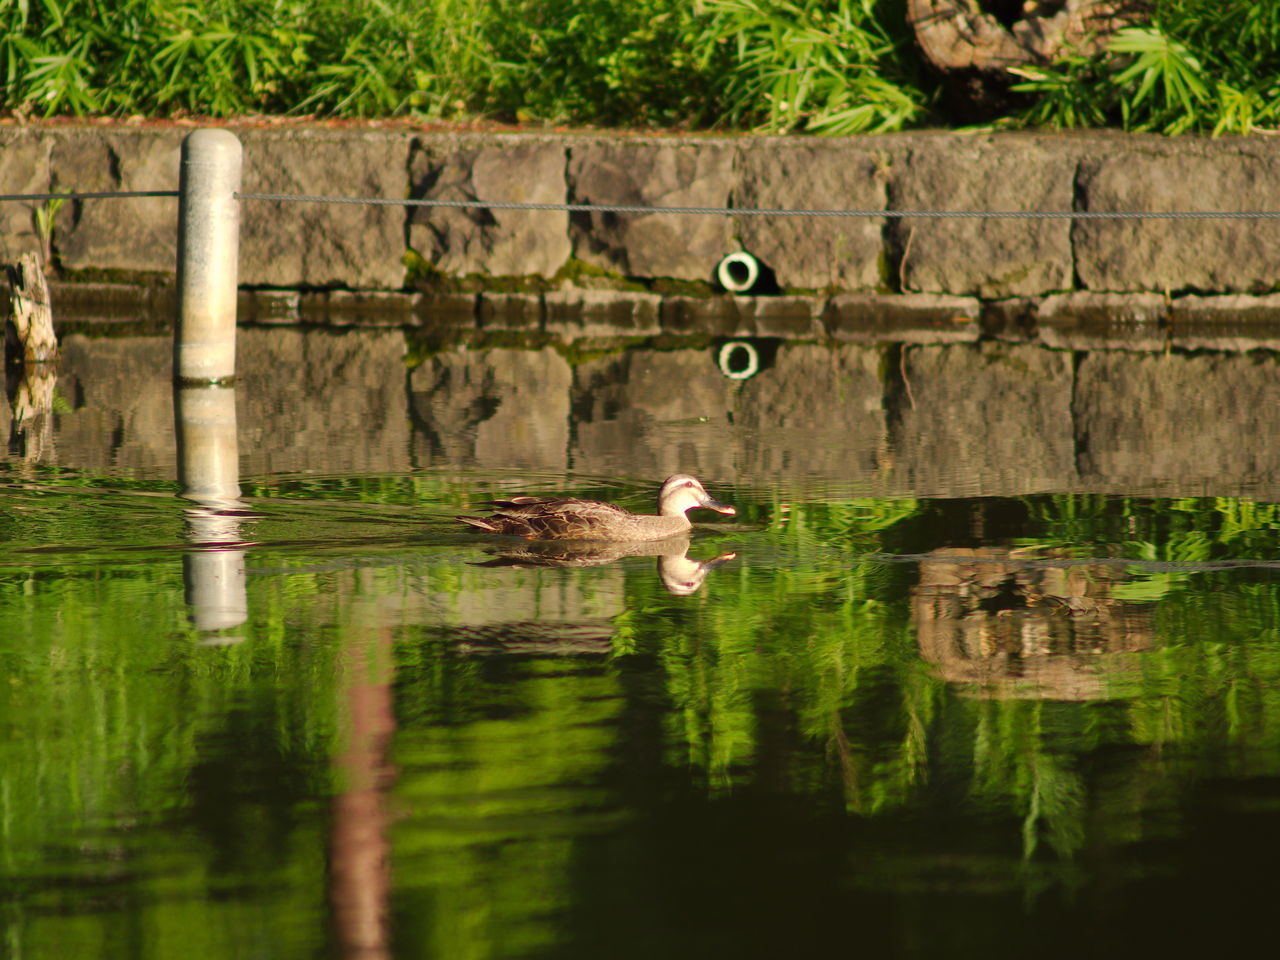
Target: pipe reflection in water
{"points": [[1015, 625], [680, 574], [208, 473]]}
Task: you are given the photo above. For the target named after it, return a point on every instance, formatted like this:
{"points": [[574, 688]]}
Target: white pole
{"points": [[204, 347]]}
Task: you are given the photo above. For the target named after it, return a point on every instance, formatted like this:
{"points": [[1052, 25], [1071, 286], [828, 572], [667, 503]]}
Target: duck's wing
{"points": [[528, 502], [544, 518]]}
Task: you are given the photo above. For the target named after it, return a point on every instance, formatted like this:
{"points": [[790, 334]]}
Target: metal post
{"points": [[204, 348]]}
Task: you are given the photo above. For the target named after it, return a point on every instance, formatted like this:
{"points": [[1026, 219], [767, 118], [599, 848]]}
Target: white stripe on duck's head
{"points": [[683, 492]]}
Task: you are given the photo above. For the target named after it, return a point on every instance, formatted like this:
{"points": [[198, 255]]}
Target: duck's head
{"points": [[683, 492], [682, 576]]}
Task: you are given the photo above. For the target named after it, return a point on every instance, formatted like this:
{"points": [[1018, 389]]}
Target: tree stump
{"points": [[31, 310], [29, 372], [962, 35]]}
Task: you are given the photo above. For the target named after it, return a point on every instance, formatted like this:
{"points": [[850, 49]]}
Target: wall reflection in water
{"points": [[440, 746], [1013, 624], [961, 419]]}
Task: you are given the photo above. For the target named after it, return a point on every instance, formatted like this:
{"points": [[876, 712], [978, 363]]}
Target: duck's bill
{"points": [[719, 507]]}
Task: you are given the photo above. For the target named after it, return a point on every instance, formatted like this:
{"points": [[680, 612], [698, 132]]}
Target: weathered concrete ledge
{"points": [[310, 246], [1075, 321]]}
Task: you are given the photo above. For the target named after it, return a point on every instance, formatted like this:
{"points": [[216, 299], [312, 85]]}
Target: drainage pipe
{"points": [[738, 360], [738, 272], [204, 348]]}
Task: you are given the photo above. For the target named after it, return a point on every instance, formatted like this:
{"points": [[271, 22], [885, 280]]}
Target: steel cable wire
{"points": [[693, 211], [767, 212]]}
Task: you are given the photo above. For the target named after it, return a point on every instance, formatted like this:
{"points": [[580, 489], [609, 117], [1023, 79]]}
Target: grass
{"points": [[821, 66]]}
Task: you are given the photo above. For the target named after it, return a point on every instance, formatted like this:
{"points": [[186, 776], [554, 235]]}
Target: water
{"points": [[983, 666]]}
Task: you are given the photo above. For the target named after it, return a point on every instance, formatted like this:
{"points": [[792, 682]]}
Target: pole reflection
{"points": [[360, 850], [208, 474]]}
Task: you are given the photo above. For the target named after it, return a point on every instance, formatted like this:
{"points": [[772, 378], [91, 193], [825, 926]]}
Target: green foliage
{"points": [[1210, 66], [816, 65], [821, 66], [45, 216], [597, 61]]}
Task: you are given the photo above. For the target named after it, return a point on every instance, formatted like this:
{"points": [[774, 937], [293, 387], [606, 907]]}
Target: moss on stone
{"points": [[424, 344], [147, 279], [670, 287]]}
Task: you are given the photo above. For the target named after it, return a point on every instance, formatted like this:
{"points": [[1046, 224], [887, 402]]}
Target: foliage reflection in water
{"points": [[1009, 719], [301, 715]]}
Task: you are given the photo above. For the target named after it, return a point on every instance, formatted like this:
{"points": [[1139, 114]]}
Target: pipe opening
{"points": [[738, 272], [738, 360]]}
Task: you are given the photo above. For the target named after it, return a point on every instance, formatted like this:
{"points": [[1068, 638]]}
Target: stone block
{"points": [[451, 309], [653, 413], [845, 253], [990, 418], [1085, 320], [307, 389], [1086, 305], [816, 411], [903, 318], [292, 244], [728, 316], [1234, 322], [125, 234], [273, 306], [114, 302], [990, 258], [363, 308], [1236, 308], [510, 311], [791, 317], [576, 313], [713, 316], [451, 317], [652, 173], [24, 168], [1012, 320], [494, 242], [1183, 424], [498, 409], [121, 396], [1176, 255]]}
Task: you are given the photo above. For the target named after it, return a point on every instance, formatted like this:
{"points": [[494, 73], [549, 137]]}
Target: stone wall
{"points": [[362, 248]]}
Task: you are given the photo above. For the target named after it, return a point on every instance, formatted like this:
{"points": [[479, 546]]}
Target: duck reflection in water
{"points": [[680, 574]]}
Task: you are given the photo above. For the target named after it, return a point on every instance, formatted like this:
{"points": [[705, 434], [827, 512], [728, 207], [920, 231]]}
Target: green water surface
{"points": [[886, 727]]}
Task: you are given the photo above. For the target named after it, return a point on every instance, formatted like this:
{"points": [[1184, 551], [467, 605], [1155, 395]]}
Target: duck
{"points": [[554, 518]]}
